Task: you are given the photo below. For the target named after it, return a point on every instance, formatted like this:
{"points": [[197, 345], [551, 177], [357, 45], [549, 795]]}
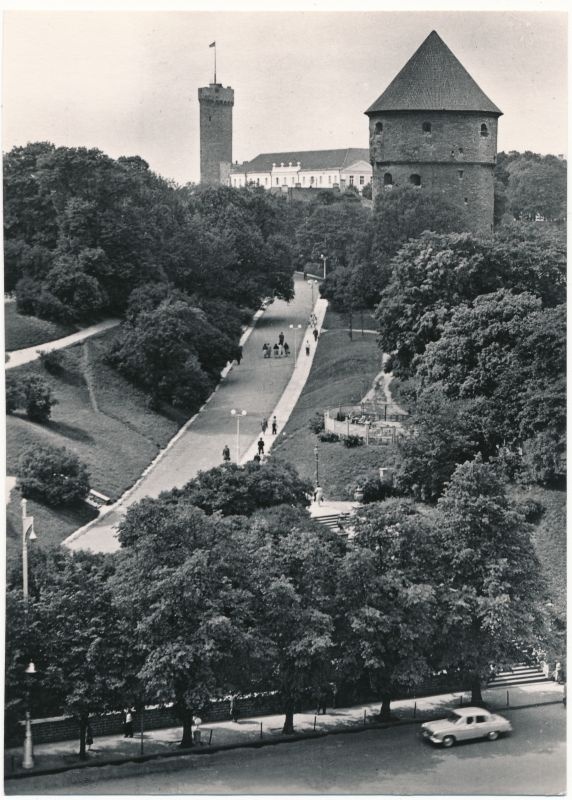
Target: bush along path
{"points": [[254, 386]]}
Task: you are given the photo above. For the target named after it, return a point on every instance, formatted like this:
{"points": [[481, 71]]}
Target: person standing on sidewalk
{"points": [[281, 339], [226, 453], [315, 333], [234, 708], [264, 425], [307, 347], [261, 446], [128, 727], [274, 426]]}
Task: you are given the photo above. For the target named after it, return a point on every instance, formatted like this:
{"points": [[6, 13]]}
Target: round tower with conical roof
{"points": [[434, 127]]}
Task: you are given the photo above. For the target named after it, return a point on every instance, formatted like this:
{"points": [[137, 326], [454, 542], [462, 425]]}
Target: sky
{"points": [[126, 82]]}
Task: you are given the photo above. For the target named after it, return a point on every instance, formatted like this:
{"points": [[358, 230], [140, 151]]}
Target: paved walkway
{"points": [[262, 387], [17, 358], [248, 730]]}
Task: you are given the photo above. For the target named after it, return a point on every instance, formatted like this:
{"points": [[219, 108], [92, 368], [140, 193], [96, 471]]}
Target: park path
{"points": [[16, 358], [256, 386]]}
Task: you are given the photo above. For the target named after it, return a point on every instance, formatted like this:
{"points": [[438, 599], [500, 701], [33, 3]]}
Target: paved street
{"points": [[256, 386], [19, 357], [390, 761]]}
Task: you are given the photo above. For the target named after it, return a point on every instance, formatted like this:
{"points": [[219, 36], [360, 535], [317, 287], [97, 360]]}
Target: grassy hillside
{"points": [[342, 372], [21, 331], [99, 416]]}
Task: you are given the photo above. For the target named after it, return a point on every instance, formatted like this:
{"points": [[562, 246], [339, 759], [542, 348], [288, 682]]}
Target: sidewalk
{"points": [[257, 731], [16, 358]]}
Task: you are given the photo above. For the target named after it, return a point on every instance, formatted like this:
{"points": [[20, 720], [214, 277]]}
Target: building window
{"points": [[466, 201], [329, 178], [293, 180], [284, 180], [415, 180], [361, 180], [379, 127], [351, 180], [258, 181], [320, 179], [303, 179], [388, 179], [426, 127], [484, 130], [277, 181], [311, 179], [266, 181], [460, 172]]}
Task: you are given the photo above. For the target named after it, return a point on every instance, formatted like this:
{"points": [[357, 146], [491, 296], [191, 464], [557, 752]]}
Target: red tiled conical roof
{"points": [[433, 80]]}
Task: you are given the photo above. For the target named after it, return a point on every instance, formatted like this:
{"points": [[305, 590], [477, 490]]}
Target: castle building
{"points": [[434, 127], [216, 102], [311, 169]]}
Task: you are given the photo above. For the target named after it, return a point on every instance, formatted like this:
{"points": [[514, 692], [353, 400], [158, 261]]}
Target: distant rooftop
{"points": [[433, 80], [309, 159]]}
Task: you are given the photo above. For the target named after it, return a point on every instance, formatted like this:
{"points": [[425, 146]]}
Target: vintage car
{"points": [[463, 724]]}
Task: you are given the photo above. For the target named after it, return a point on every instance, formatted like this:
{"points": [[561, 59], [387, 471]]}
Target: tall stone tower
{"points": [[434, 127], [216, 102]]}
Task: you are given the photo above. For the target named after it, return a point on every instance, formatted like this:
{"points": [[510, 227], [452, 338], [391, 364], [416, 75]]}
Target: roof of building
{"points": [[309, 159], [433, 80]]}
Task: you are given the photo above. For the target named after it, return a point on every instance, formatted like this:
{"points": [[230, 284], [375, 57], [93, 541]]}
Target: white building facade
{"points": [[314, 169]]}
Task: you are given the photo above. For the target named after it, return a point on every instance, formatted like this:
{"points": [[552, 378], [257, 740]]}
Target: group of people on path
{"points": [[281, 348]]}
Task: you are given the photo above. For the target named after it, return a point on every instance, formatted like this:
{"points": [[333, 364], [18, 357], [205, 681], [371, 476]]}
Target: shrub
{"points": [[53, 474], [531, 510], [316, 424], [328, 436], [52, 361], [374, 487], [353, 441], [38, 398], [14, 394]]}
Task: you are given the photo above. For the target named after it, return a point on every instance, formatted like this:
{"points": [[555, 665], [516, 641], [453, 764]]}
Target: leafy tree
{"points": [[294, 567], [537, 187], [72, 634], [388, 595], [14, 393], [34, 394], [333, 230], [232, 489], [181, 583], [441, 435], [492, 599], [53, 474]]}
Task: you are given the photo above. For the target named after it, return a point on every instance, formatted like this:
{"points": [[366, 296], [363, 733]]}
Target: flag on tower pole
{"points": [[213, 44]]}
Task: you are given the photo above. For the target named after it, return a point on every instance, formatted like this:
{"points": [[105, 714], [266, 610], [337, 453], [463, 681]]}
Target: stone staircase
{"points": [[517, 675], [332, 521]]}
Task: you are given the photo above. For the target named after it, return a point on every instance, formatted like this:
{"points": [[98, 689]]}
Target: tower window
{"points": [[379, 127], [484, 130], [388, 179], [361, 180], [415, 180], [426, 127], [466, 201], [460, 172], [461, 151]]}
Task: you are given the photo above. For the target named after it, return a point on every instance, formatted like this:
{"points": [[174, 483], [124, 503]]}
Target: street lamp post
{"points": [[238, 413], [295, 328], [317, 457], [28, 535], [324, 262]]}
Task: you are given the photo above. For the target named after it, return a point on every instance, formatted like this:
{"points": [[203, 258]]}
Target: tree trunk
{"points": [[289, 717], [187, 719], [385, 711], [476, 696], [82, 736]]}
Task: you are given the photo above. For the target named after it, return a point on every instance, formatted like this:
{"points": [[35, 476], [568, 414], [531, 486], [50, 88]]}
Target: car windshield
{"points": [[453, 717]]}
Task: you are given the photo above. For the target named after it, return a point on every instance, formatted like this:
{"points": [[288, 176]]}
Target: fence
{"points": [[375, 426]]}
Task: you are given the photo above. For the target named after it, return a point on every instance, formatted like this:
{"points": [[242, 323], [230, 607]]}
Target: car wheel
{"points": [[492, 736], [448, 741]]}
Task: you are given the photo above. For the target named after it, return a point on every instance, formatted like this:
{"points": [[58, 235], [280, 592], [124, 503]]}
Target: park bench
{"points": [[97, 499]]}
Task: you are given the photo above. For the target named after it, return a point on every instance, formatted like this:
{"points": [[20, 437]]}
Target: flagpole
{"points": [[215, 63]]}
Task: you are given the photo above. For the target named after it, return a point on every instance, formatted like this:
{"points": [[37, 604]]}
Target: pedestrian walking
{"points": [[315, 334], [318, 495], [276, 351], [197, 722], [280, 350], [128, 726], [307, 347], [274, 426], [264, 424], [261, 446], [238, 355], [286, 349], [280, 338], [226, 453], [234, 708], [88, 735], [558, 672]]}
